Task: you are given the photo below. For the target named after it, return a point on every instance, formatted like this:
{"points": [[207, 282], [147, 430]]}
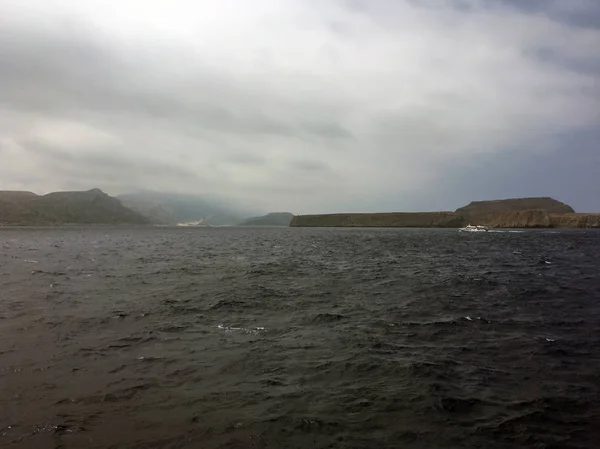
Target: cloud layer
{"points": [[302, 105]]}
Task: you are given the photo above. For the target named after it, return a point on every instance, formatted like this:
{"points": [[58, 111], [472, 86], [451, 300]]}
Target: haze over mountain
{"points": [[303, 105], [172, 208], [271, 219]]}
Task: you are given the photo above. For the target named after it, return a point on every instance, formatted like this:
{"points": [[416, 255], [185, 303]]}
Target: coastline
{"points": [[500, 220]]}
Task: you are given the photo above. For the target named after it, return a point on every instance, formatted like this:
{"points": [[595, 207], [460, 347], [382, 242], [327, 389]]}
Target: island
{"points": [[540, 212]]}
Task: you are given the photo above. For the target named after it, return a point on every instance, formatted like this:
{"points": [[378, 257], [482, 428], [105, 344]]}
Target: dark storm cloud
{"points": [[578, 13], [372, 104], [327, 130], [100, 164], [567, 172], [589, 66], [248, 159], [70, 73], [311, 166]]}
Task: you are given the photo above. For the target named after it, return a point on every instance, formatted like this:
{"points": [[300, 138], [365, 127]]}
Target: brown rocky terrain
{"points": [[538, 219], [87, 207], [546, 204], [575, 220], [541, 212]]}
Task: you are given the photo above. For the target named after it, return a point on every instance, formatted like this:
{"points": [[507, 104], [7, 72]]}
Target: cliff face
{"points": [[575, 220], [400, 219], [89, 207], [539, 219], [517, 219]]}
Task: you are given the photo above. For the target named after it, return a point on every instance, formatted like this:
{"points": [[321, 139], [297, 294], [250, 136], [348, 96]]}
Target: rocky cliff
{"points": [[538, 219], [88, 207], [575, 220], [514, 219]]}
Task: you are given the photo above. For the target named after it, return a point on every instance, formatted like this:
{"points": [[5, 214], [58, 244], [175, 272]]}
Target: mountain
{"points": [[88, 207], [272, 219], [173, 208]]}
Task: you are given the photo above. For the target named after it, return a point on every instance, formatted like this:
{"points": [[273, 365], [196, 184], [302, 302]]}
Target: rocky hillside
{"points": [[547, 204], [272, 219], [89, 207], [515, 219]]}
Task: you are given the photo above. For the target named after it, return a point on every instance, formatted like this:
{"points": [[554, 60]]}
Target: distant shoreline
{"points": [[526, 219]]}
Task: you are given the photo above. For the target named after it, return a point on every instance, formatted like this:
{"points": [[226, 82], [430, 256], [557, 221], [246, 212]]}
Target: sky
{"points": [[306, 106]]}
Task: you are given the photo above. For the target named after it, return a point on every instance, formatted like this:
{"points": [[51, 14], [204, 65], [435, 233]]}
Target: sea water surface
{"points": [[299, 338]]}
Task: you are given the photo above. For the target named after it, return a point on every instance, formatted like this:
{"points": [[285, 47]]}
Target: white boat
{"points": [[471, 228]]}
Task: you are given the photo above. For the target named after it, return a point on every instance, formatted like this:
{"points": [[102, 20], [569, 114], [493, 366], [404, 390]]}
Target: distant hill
{"points": [[88, 207], [272, 219], [546, 204], [173, 208]]}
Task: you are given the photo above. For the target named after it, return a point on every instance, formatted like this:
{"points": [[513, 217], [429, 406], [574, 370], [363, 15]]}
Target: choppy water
{"points": [[299, 338]]}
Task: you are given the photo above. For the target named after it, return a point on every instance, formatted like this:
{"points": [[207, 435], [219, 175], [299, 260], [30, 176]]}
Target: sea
{"points": [[299, 338]]}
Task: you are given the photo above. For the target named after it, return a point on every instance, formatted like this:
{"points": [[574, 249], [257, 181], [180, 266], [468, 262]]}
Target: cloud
{"points": [[306, 165], [369, 104]]}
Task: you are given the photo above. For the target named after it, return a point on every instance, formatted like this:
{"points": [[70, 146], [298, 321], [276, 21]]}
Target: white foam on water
{"points": [[253, 330], [504, 232]]}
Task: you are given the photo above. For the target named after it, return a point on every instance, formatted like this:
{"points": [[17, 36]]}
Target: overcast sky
{"points": [[304, 105]]}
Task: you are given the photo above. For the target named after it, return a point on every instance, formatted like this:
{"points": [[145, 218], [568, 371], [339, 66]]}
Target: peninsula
{"points": [[542, 212]]}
